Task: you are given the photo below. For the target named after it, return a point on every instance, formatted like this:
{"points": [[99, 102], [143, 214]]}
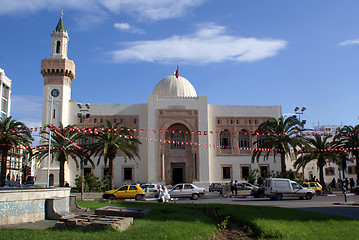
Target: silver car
{"points": [[186, 190]]}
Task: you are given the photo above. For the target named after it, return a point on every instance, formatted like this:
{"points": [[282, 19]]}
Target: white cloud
{"points": [[207, 45], [27, 109], [140, 9], [128, 28], [349, 42]]}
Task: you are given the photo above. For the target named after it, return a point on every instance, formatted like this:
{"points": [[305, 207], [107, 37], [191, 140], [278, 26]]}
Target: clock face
{"points": [[55, 92]]}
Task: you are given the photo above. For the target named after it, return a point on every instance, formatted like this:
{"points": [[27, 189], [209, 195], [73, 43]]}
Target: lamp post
{"points": [[297, 112], [83, 117]]}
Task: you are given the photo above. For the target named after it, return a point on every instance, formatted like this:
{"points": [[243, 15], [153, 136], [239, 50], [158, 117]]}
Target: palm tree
{"points": [[12, 133], [348, 138], [319, 150], [110, 140], [63, 147], [278, 138]]}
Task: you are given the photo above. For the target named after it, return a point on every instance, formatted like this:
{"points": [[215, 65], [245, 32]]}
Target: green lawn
{"points": [[188, 221]]}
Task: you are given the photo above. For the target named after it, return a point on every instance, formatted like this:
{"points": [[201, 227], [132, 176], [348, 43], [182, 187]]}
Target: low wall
{"points": [[19, 205]]}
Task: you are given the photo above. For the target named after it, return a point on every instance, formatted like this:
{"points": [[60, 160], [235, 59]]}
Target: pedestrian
{"points": [[352, 184], [332, 183], [346, 184], [232, 186], [236, 187]]}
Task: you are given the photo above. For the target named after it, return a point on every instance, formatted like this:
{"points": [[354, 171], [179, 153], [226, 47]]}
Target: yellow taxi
{"points": [[315, 186], [125, 191]]}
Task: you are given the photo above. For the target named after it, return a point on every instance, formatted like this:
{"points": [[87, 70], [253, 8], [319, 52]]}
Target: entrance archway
{"points": [[178, 158]]}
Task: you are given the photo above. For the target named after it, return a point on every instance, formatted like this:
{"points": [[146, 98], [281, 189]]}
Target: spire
{"points": [[60, 26]]}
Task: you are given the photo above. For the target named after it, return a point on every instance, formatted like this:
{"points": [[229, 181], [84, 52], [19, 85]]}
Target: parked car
{"points": [[215, 187], [186, 190], [150, 187], [245, 186], [277, 188], [258, 192], [315, 186], [125, 191]]}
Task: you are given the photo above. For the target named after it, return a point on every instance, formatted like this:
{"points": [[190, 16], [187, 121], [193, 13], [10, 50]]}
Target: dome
{"points": [[172, 86]]}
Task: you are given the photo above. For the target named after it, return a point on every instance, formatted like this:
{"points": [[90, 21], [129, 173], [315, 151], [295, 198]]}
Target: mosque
{"points": [[216, 138]]}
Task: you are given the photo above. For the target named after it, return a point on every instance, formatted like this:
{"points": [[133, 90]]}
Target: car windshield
{"points": [[296, 186]]}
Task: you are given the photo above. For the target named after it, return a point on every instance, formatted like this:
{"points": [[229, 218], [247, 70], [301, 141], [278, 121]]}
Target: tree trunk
{"points": [[110, 172], [3, 168], [283, 166], [62, 161]]}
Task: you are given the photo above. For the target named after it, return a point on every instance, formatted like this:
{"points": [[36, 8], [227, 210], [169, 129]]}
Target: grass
{"points": [[188, 221]]}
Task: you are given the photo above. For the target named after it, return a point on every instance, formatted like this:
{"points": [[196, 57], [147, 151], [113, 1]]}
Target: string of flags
{"points": [[203, 132]]}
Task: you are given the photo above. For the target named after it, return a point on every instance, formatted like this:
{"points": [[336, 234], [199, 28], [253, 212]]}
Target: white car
{"points": [[150, 187], [186, 190], [277, 188]]}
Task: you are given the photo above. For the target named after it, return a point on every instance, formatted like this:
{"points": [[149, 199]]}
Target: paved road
{"points": [[323, 204]]}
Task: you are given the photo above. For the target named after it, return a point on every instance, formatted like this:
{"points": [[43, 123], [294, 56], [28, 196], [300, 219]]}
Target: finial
{"points": [[62, 12]]}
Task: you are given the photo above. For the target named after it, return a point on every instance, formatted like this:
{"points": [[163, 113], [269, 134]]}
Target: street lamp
{"points": [[83, 117], [297, 112]]}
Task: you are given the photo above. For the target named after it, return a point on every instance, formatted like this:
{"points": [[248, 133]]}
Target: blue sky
{"points": [[236, 52]]}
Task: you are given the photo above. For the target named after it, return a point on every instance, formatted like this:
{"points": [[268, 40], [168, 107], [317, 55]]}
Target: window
{"points": [[87, 170], [187, 186], [243, 139], [100, 120], [255, 122], [54, 113], [260, 141], [245, 172], [133, 188], [114, 121], [226, 173], [134, 121], [176, 140], [58, 45], [264, 171], [218, 121], [250, 121], [127, 174], [237, 121], [329, 171], [231, 121], [94, 120], [225, 139], [351, 170]]}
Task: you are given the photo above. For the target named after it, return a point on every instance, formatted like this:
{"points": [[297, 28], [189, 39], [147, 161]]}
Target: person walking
{"points": [[236, 187], [232, 186], [352, 184]]}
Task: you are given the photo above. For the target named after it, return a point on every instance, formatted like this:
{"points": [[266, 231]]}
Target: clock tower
{"points": [[58, 72]]}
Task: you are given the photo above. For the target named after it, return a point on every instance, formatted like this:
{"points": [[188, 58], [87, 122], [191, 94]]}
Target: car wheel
{"points": [[112, 197], [138, 197], [195, 196], [318, 193], [308, 196], [279, 196]]}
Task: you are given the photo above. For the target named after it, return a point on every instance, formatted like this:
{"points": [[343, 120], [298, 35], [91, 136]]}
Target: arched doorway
{"points": [[179, 155]]}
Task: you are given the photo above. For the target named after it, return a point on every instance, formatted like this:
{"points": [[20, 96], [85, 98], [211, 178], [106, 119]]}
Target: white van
{"points": [[277, 188]]}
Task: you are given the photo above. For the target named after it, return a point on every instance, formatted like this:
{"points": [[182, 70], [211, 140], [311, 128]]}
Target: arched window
{"points": [[243, 139], [176, 140], [58, 45], [225, 140]]}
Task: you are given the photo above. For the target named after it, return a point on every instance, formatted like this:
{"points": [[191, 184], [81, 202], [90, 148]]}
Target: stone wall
{"points": [[21, 205]]}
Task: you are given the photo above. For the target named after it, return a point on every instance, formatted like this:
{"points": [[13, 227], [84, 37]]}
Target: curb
{"points": [[346, 203], [337, 194], [236, 196]]}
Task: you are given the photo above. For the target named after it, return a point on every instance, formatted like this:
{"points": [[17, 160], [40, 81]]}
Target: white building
{"points": [[5, 91], [173, 112]]}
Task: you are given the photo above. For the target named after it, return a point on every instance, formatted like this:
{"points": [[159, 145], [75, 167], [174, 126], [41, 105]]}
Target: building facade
{"points": [[216, 138]]}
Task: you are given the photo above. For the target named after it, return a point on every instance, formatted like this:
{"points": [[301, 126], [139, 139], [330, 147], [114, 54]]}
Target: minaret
{"points": [[58, 73]]}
